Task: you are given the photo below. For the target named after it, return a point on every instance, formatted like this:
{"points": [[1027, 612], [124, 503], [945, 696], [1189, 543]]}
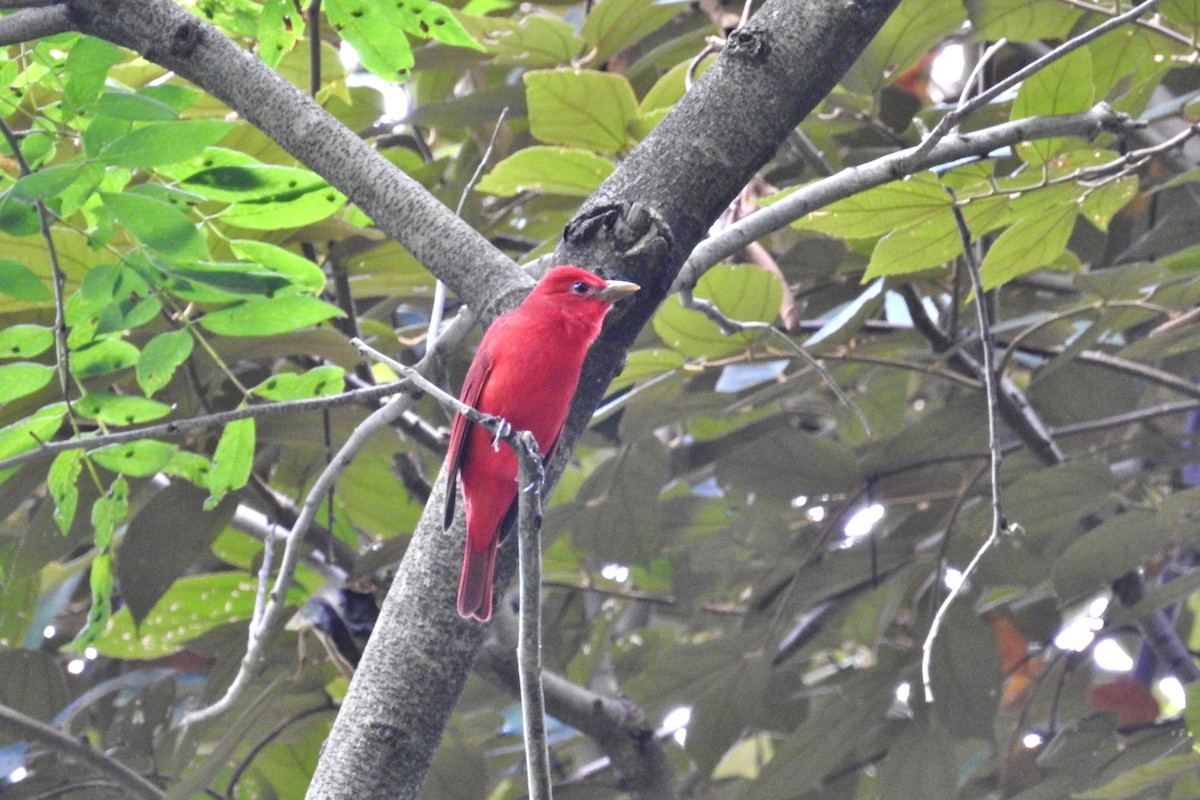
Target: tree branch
{"points": [[38, 19], [57, 741]]}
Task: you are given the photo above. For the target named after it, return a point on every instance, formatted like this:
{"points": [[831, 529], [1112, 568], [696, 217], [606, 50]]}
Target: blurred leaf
{"points": [[613, 25], [159, 359], [1063, 87], [16, 280], [138, 459], [535, 40], [1140, 781], [882, 210], [298, 270], [86, 68], [554, 170], [1107, 552], [108, 512], [618, 504], [921, 762], [32, 683], [580, 108], [725, 703], [159, 143], [641, 365], [232, 460], [1020, 20], [192, 606], [289, 209], [965, 673], [785, 464], [23, 378], [103, 357], [62, 482], [134, 106], [912, 31], [743, 292], [159, 224], [278, 31], [28, 433], [319, 382], [25, 341], [269, 317], [145, 568], [120, 409]]}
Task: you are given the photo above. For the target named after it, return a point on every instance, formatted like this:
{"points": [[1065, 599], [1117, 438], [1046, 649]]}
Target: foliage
{"points": [[697, 552]]}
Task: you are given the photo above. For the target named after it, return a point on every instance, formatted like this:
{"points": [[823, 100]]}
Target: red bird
{"points": [[525, 370]]}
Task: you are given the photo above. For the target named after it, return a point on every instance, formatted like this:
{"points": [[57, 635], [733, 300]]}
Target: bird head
{"points": [[578, 286]]}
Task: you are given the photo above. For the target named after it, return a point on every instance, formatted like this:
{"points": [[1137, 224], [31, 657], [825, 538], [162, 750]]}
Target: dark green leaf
{"points": [[743, 292], [299, 271], [16, 217], [613, 25], [32, 683], [785, 464], [45, 182]]}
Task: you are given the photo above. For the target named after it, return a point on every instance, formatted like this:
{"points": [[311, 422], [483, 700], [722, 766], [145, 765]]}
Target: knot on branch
{"points": [[185, 38], [637, 231], [748, 45]]}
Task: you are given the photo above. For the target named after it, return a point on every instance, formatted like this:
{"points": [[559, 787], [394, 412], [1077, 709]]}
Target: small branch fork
{"points": [[990, 381], [532, 479]]}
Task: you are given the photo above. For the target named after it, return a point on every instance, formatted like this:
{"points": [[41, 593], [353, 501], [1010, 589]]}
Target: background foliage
{"points": [[697, 553]]}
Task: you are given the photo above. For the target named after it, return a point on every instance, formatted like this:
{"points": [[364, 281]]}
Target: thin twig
{"points": [[439, 288], [46, 449], [57, 741], [994, 451]]}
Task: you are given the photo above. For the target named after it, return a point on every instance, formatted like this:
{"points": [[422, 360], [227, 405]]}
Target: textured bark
{"points": [[641, 224]]}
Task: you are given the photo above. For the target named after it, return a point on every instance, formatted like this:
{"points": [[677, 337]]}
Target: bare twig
{"points": [[999, 524], [58, 741], [885, 169], [439, 289]]}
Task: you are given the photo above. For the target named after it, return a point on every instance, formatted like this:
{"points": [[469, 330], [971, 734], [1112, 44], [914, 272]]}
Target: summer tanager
{"points": [[525, 370]]}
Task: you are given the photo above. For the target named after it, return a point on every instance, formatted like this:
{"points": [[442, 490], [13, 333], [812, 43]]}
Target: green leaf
{"points": [[25, 341], [158, 143], [159, 359], [45, 182], [103, 357], [1020, 20], [580, 108], [372, 29], [139, 459], [134, 106], [784, 464], [158, 224], [1028, 244], [287, 210], [231, 176], [120, 409], [28, 433], [552, 170], [269, 317], [107, 513], [641, 365], [319, 382], [912, 31], [192, 606], [881, 210], [278, 31], [23, 378], [298, 270], [915, 248], [62, 481], [613, 25], [1063, 87], [189, 466], [743, 292], [232, 460], [16, 217], [536, 40], [86, 68], [17, 281]]}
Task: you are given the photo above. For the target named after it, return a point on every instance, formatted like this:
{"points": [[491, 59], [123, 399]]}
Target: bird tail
{"points": [[475, 586]]}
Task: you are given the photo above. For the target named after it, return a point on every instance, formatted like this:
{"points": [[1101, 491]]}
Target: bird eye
{"points": [[579, 287]]}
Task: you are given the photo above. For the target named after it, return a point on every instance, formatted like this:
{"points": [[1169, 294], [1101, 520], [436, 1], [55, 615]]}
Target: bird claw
{"points": [[503, 431]]}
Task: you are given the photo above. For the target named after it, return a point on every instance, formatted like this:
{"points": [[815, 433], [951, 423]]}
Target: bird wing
{"points": [[477, 375]]}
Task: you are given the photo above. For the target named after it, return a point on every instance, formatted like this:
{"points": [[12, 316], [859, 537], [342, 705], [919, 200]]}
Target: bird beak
{"points": [[615, 290]]}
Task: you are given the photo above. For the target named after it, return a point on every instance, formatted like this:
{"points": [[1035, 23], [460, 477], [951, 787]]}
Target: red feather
{"points": [[525, 370]]}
